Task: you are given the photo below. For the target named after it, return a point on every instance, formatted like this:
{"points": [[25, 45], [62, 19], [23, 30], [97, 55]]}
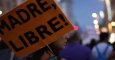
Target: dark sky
{"points": [[83, 9]]}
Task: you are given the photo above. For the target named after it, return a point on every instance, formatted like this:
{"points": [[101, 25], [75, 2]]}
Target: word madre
{"points": [[33, 25]]}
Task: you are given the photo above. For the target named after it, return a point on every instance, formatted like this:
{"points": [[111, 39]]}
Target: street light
{"points": [[95, 21], [94, 15]]}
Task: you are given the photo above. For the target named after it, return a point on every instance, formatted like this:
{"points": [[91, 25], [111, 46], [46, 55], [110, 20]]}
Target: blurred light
{"points": [[104, 29], [112, 23], [112, 38], [102, 15], [0, 12], [110, 27], [112, 34], [76, 28], [97, 26], [95, 21], [94, 15], [108, 6]]}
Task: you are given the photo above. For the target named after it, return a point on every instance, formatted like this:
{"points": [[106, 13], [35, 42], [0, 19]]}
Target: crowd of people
{"points": [[69, 47], [96, 50]]}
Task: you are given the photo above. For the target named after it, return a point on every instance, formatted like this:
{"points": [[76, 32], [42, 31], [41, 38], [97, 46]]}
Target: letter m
{"points": [[3, 25]]}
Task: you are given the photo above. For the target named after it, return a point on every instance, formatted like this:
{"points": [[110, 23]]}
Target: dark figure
{"points": [[74, 50], [92, 43], [103, 49]]}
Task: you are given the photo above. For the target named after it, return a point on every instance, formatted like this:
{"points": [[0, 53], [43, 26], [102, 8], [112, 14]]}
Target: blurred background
{"points": [[89, 17]]}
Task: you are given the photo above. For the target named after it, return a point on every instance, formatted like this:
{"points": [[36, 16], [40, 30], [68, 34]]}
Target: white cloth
{"points": [[102, 46]]}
